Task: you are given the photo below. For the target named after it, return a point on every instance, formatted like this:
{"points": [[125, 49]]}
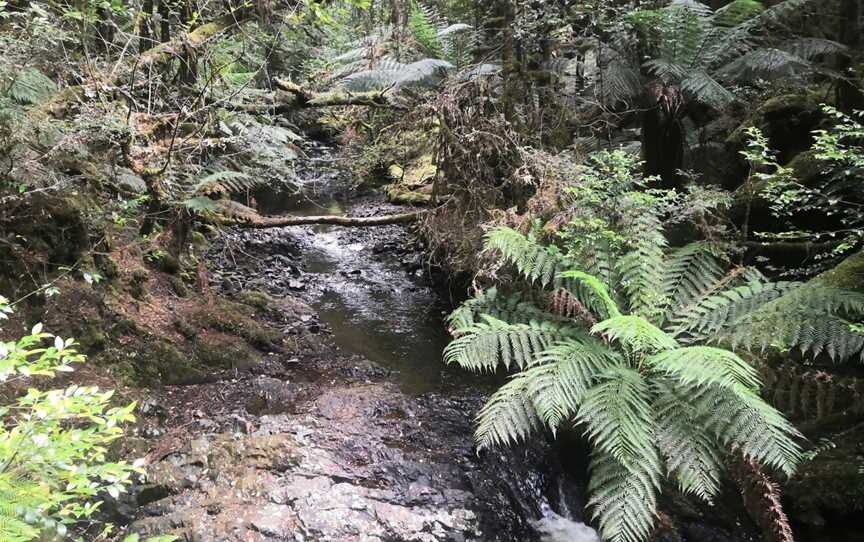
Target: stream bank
{"points": [[352, 429]]}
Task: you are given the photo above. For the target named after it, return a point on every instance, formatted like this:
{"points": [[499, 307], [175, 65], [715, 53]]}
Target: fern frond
{"points": [[635, 333], [423, 73], [765, 63], [705, 89], [640, 270], [737, 12], [813, 318], [623, 497], [30, 86], [810, 48], [739, 418], [690, 272], [592, 292], [617, 415], [492, 342], [509, 415], [567, 370], [536, 262], [513, 309], [226, 182], [617, 80], [705, 366], [712, 315], [691, 454]]}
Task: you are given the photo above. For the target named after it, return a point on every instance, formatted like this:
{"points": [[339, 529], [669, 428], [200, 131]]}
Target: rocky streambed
{"points": [[353, 429]]}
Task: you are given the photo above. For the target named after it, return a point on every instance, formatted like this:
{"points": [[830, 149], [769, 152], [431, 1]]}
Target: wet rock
{"points": [[296, 285]]}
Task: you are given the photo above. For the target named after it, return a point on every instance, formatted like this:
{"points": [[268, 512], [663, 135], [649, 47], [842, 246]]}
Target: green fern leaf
{"points": [[691, 454], [635, 333], [703, 366], [486, 345]]}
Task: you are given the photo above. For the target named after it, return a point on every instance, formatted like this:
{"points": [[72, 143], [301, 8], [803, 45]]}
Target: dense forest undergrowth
{"points": [[245, 223]]}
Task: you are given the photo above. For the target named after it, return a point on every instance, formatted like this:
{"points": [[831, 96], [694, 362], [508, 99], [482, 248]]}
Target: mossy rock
{"points": [[418, 172], [236, 318], [169, 264], [848, 275], [225, 352], [157, 362], [807, 168], [179, 287], [255, 298], [787, 120], [401, 195], [199, 240]]}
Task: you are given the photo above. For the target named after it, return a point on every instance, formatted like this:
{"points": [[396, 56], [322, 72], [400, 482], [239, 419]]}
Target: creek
{"points": [[355, 430]]}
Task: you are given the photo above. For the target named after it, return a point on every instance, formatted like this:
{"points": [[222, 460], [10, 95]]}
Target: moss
{"points": [[807, 168], [235, 318], [786, 120], [179, 287], [255, 298], [199, 241], [169, 264], [136, 284], [106, 265], [225, 352], [154, 363], [417, 172], [848, 275], [92, 336], [404, 196]]}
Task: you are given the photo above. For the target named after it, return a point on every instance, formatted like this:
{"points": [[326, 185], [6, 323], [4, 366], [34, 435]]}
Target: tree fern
{"points": [[423, 73], [714, 314], [509, 415], [740, 419], [690, 272], [420, 19], [699, 366], [627, 360], [701, 51], [623, 497]]}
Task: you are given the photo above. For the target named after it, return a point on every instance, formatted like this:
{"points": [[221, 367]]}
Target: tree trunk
{"points": [[145, 31], [849, 96], [164, 21]]}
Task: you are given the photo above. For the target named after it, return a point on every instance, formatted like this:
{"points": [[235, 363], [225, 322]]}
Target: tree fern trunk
{"points": [[662, 133]]}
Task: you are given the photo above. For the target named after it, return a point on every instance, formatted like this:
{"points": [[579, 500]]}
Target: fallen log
{"points": [[333, 98], [237, 214], [194, 39], [351, 221]]}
